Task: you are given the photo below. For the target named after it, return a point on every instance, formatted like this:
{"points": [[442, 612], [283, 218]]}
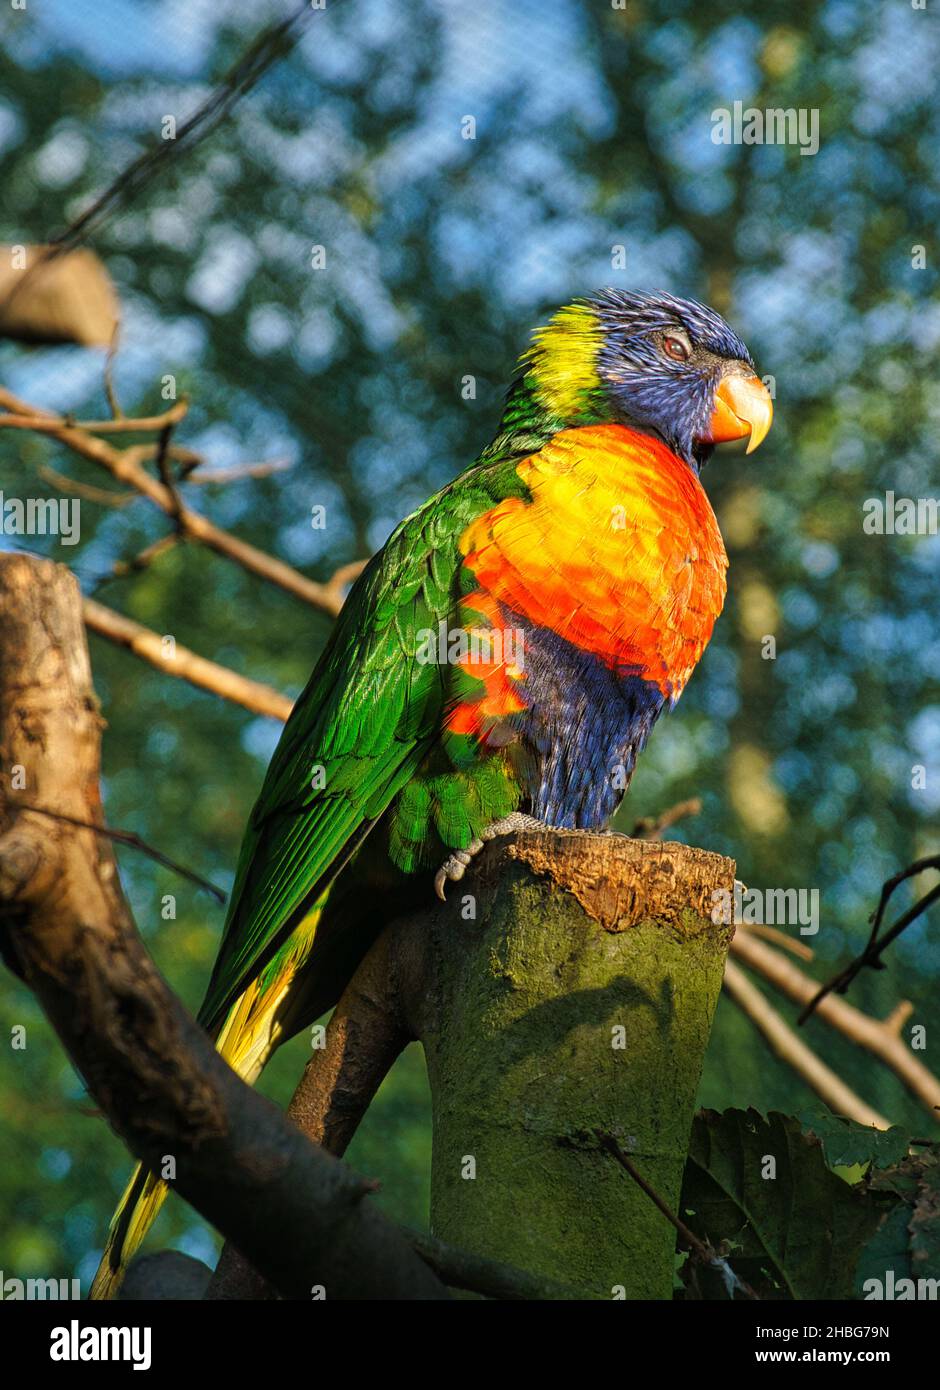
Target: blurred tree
{"points": [[377, 368]]}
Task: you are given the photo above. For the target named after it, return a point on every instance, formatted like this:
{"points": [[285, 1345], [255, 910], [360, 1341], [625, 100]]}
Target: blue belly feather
{"points": [[584, 726]]}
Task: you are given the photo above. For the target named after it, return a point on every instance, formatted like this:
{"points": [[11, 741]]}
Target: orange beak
{"points": [[742, 406]]}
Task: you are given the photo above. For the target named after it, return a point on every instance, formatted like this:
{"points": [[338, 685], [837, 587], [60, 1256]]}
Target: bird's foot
{"points": [[455, 865]]}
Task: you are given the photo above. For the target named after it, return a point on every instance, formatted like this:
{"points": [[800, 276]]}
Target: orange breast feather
{"points": [[618, 552]]}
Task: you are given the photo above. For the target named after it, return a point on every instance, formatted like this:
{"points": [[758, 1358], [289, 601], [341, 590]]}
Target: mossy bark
{"points": [[578, 1001]]}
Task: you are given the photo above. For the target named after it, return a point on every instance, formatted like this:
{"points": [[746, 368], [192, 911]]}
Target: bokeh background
{"points": [[593, 132]]}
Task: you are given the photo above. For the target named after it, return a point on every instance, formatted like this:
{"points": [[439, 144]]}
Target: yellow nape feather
{"points": [[563, 357]]}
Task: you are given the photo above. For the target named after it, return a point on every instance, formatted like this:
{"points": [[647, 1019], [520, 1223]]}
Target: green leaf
{"points": [[907, 1244], [847, 1143], [760, 1191], [889, 1249]]}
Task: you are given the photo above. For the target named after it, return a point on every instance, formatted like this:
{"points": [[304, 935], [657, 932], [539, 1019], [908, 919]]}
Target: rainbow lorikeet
{"points": [[504, 657]]}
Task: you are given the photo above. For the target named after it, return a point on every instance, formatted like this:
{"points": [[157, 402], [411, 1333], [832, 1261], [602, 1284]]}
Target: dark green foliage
{"points": [[760, 1192], [846, 1143], [908, 1242], [807, 1231]]}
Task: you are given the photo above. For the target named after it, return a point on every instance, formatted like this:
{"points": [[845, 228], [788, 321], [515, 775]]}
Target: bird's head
{"points": [[669, 366]]}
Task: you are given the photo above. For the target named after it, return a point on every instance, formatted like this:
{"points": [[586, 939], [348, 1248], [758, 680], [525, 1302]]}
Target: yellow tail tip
{"points": [[136, 1213]]}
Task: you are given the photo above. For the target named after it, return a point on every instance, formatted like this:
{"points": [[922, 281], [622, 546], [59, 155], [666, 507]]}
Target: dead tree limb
{"points": [[187, 665], [65, 928], [791, 1048], [569, 988], [881, 1037], [369, 1028], [878, 942], [123, 465]]}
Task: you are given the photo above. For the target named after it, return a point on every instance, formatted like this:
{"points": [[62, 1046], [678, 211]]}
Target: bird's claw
{"points": [[455, 865]]}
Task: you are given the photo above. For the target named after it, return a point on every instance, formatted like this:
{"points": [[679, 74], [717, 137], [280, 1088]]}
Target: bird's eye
{"points": [[676, 348]]}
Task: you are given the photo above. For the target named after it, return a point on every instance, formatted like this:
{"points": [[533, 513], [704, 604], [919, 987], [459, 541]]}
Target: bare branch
{"points": [[169, 482], [706, 1254], [271, 44], [215, 476], [124, 466], [206, 675], [23, 417], [779, 938], [461, 1269], [109, 390], [120, 837], [790, 1048], [188, 459], [341, 578], [100, 496], [880, 1038], [652, 827], [137, 563]]}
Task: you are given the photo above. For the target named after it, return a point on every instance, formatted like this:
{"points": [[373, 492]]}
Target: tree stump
{"points": [[578, 1003]]}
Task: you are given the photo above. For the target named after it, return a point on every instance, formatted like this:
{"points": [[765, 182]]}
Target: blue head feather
{"points": [[646, 387]]}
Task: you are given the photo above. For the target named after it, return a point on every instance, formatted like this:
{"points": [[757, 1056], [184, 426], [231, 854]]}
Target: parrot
{"points": [[498, 665]]}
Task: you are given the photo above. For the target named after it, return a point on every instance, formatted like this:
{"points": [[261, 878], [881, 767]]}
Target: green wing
{"points": [[357, 734]]}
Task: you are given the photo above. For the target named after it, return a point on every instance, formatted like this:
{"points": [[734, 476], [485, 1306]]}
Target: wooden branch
{"points": [[65, 928], [880, 1038], [44, 422], [238, 472], [141, 561], [460, 1269], [269, 46], [123, 466], [100, 496], [367, 1033], [652, 827], [790, 1048], [165, 474], [705, 1254], [187, 459], [110, 392], [206, 675], [342, 577], [778, 938], [120, 837]]}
